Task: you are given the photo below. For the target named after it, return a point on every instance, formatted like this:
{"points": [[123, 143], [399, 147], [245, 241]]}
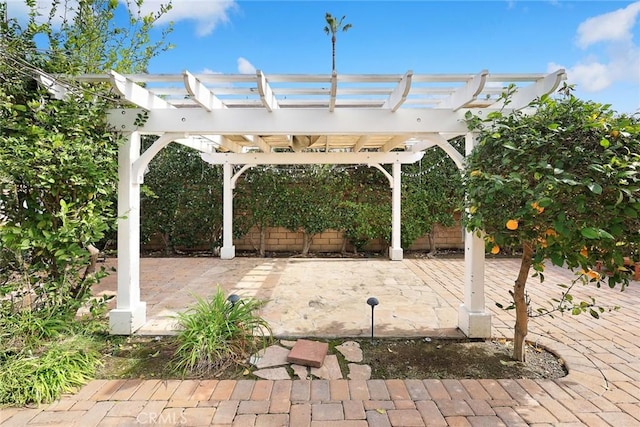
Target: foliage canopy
{"points": [[561, 184]]}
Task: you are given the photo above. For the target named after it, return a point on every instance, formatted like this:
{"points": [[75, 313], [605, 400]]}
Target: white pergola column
{"points": [[130, 313], [473, 319], [228, 250], [395, 251]]}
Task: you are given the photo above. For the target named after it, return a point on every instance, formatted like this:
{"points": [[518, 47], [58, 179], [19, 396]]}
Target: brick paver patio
{"points": [[603, 356]]}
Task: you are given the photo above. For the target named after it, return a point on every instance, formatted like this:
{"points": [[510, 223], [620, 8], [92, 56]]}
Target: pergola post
{"points": [[228, 250], [130, 313], [395, 251], [473, 319]]}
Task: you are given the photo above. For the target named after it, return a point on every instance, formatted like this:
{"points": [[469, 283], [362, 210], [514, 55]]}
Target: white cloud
{"points": [[615, 59], [245, 67], [207, 14], [19, 10], [591, 77], [612, 26]]}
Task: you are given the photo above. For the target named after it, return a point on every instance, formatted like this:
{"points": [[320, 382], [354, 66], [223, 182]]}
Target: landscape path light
{"points": [[233, 299], [372, 301]]}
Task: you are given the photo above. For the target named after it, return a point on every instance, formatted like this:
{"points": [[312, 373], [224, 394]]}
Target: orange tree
{"points": [[561, 185]]}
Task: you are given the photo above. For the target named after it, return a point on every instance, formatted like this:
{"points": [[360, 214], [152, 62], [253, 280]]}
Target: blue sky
{"points": [[597, 42]]}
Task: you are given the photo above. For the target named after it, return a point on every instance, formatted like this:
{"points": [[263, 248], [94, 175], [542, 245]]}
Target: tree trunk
{"points": [[263, 241], [432, 243], [333, 53], [306, 243], [343, 249], [168, 250], [520, 301]]}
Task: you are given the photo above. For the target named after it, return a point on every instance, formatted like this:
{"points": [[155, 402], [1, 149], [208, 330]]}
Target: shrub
{"points": [[216, 334], [42, 377]]}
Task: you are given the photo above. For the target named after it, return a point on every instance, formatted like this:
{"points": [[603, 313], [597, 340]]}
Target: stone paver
{"points": [[272, 373], [274, 355], [330, 369], [351, 351], [308, 353], [602, 388]]}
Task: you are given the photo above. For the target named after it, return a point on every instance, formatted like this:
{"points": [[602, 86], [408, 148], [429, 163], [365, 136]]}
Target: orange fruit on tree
{"points": [[512, 224], [591, 274], [584, 252], [495, 249], [537, 207]]}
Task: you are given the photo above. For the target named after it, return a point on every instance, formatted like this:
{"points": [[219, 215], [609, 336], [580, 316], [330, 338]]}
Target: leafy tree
{"points": [[334, 25], [258, 202], [562, 184], [92, 40], [182, 200], [58, 158], [365, 211], [431, 195], [311, 202]]}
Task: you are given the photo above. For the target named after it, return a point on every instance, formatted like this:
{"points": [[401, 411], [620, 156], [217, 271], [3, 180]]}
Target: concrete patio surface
{"points": [[418, 297]]}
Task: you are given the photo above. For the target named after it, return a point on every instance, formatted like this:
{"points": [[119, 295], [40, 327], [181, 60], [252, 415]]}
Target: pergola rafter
{"points": [[247, 120]]}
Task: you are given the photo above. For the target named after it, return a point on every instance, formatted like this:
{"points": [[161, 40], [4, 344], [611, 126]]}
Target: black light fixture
{"points": [[233, 299], [372, 301]]}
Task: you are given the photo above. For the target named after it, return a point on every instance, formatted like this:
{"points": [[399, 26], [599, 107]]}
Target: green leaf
{"points": [[604, 142], [545, 202], [594, 313], [595, 188], [590, 233], [605, 235]]}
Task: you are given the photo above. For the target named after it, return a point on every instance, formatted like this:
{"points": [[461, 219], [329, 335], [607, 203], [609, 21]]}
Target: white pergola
{"points": [[241, 121]]}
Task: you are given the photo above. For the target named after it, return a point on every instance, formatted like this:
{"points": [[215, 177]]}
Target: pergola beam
{"points": [[467, 93], [394, 142], [400, 93], [136, 94], [334, 90], [200, 93], [266, 94], [233, 121], [225, 143], [57, 89], [367, 158], [362, 141], [259, 142], [543, 86]]}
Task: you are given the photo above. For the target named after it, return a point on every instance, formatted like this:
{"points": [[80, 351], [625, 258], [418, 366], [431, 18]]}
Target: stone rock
{"points": [[351, 351], [359, 372], [330, 369], [287, 343], [300, 371], [272, 374], [272, 356]]}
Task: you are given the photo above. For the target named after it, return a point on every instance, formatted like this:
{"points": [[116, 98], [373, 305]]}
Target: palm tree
{"points": [[333, 26]]}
